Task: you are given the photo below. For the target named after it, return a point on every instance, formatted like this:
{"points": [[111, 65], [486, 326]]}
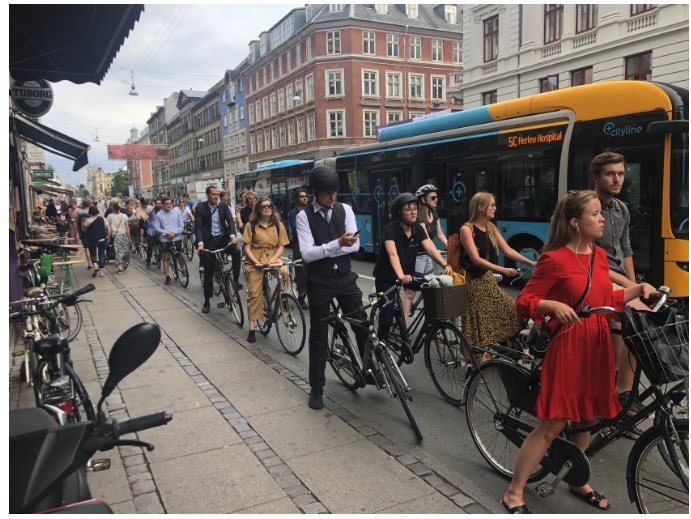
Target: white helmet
{"points": [[427, 188]]}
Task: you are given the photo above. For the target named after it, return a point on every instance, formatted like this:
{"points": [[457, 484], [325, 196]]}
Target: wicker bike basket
{"points": [[445, 302], [662, 352]]}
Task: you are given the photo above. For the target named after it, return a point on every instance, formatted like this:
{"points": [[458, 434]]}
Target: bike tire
{"points": [[217, 283], [39, 377], [340, 357], [181, 272], [398, 387], [395, 339], [81, 402], [264, 324], [189, 244], [290, 324], [486, 401], [447, 352], [235, 303], [653, 485]]}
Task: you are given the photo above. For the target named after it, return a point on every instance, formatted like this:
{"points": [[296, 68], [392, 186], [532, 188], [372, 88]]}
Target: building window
{"points": [[265, 107], [393, 117], [267, 140], [253, 144], [381, 8], [333, 42], [274, 105], [334, 83], [417, 90], [393, 85], [371, 121], [586, 17], [282, 136], [411, 10], [242, 112], [298, 89], [335, 122], [437, 50], [549, 83], [335, 8], [491, 38], [301, 130], [289, 60], [450, 14], [271, 71], [368, 42], [639, 67], [489, 98], [265, 73], [251, 114], [415, 47], [554, 15], [641, 8], [582, 76], [274, 138], [281, 101], [280, 67], [308, 48], [438, 88], [392, 45], [311, 128], [458, 52], [298, 55], [309, 88], [369, 83]]}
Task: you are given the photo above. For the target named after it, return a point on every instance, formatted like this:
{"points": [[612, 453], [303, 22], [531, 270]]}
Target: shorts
{"points": [[165, 245]]}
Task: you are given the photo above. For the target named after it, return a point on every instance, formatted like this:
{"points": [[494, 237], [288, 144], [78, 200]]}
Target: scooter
{"points": [[47, 459]]}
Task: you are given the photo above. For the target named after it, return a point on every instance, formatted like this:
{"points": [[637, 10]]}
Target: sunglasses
{"points": [[435, 197], [266, 206]]}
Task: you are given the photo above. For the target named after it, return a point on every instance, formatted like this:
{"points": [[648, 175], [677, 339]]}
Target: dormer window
{"points": [[450, 14], [335, 8], [381, 8], [411, 10]]}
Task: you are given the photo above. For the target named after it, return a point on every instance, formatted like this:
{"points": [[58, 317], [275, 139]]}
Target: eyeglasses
{"points": [[266, 206], [410, 209], [435, 197]]}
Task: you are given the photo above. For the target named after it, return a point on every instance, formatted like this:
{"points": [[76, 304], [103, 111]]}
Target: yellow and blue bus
{"points": [[529, 152]]}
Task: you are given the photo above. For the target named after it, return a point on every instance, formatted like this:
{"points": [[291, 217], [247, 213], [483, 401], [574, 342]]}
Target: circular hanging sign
{"points": [[33, 98]]}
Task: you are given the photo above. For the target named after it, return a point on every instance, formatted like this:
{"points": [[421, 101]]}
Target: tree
{"points": [[120, 183]]}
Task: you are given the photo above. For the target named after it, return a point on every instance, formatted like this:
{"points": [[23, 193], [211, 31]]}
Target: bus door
{"points": [[386, 186], [464, 180]]}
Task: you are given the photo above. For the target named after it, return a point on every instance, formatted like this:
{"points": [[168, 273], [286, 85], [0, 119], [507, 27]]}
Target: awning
{"points": [[50, 140], [51, 190], [73, 42]]}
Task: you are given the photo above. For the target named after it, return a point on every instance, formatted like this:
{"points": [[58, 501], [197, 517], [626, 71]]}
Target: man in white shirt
{"points": [[168, 225]]}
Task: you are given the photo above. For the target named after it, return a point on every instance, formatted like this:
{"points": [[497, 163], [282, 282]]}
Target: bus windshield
{"points": [[679, 193]]}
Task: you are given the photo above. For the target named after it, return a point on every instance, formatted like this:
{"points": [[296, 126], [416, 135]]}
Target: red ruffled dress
{"points": [[578, 373]]}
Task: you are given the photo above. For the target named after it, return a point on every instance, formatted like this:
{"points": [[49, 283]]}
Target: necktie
{"points": [[325, 212]]}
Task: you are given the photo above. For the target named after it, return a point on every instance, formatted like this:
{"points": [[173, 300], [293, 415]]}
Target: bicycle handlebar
{"points": [[141, 423], [587, 311], [500, 277], [51, 301]]}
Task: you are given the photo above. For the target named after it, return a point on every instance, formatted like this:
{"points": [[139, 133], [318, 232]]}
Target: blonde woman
{"points": [[264, 239], [491, 315]]}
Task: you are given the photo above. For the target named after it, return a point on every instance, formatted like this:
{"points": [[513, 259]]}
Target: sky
{"points": [[171, 47]]}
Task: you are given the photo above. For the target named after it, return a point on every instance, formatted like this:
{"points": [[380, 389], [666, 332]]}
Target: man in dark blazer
{"points": [[214, 229]]}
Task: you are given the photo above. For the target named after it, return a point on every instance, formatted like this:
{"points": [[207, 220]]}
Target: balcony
{"points": [[489, 68], [585, 40], [553, 49], [642, 21]]}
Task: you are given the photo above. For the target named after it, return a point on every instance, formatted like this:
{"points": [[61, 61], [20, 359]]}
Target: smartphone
{"points": [[356, 232]]}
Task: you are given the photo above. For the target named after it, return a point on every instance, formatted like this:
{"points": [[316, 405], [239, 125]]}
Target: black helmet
{"points": [[323, 179], [427, 188], [399, 202]]}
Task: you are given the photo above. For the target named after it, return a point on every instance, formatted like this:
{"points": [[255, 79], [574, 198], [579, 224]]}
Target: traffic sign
{"points": [[37, 175]]}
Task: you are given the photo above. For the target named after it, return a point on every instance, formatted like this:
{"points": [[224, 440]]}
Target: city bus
{"points": [[276, 180], [529, 152]]}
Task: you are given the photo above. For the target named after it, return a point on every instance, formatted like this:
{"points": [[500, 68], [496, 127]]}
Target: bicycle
{"points": [[227, 286], [292, 269], [377, 362], [47, 365], [283, 309], [178, 265], [501, 397], [445, 346], [188, 239]]}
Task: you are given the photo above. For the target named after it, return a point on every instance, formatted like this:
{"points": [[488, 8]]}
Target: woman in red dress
{"points": [[577, 379]]}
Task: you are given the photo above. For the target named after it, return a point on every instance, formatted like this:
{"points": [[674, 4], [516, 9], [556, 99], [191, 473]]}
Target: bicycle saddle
{"points": [[50, 345], [33, 292]]}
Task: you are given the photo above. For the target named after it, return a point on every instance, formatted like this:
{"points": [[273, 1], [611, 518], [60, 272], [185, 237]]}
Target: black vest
{"points": [[324, 232]]}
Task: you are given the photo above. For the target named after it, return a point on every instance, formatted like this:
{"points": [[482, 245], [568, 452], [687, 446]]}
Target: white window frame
{"points": [[381, 8], [291, 133], [280, 67], [451, 14], [265, 107], [301, 130], [369, 126], [329, 113], [415, 47], [273, 106], [413, 115], [370, 80], [251, 113], [253, 143], [369, 42], [335, 8], [309, 88], [289, 96], [394, 116], [411, 10], [333, 42], [433, 87], [457, 54], [298, 55], [274, 138], [393, 42], [289, 60], [298, 89], [338, 79], [389, 94], [437, 50], [308, 48], [311, 127], [281, 101]]}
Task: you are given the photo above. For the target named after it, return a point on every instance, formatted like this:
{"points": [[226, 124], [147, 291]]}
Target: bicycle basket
{"points": [[660, 343], [445, 302]]}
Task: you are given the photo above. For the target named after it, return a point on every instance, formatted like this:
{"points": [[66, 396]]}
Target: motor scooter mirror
{"points": [[129, 352]]}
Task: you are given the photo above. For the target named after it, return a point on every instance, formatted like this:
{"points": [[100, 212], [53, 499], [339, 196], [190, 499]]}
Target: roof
{"points": [[72, 42], [50, 140]]}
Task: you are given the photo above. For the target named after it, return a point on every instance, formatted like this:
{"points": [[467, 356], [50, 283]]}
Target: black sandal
{"points": [[593, 498], [520, 509]]}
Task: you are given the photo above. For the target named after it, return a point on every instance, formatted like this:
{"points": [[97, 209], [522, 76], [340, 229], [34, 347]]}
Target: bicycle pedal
{"points": [[98, 465], [544, 489], [220, 305]]}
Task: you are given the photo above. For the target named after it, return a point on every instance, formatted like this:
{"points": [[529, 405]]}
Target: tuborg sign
{"points": [[33, 98]]}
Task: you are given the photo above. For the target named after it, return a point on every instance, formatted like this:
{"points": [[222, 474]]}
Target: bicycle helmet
{"points": [[323, 179], [427, 188], [399, 202]]}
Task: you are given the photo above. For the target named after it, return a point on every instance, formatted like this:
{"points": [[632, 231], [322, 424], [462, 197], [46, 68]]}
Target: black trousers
{"points": [[150, 242], [300, 270], [208, 262], [321, 290]]}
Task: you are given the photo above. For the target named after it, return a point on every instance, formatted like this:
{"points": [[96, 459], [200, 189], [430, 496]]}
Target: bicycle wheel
{"points": [[189, 245], [395, 339], [69, 318], [398, 386], [655, 486], [181, 272], [293, 280], [264, 324], [156, 255], [340, 357], [446, 354], [234, 303], [218, 281], [82, 408], [488, 402], [290, 324]]}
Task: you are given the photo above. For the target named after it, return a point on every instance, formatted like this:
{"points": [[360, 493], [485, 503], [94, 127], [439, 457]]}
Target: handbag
{"points": [[539, 336]]}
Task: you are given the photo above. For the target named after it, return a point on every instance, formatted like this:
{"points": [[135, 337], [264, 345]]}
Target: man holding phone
{"points": [[328, 235]]}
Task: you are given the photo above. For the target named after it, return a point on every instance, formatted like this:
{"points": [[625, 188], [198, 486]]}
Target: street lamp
{"points": [[133, 91]]}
